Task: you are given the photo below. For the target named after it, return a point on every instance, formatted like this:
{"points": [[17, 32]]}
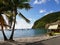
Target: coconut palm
{"points": [[19, 4], [14, 5], [3, 24], [5, 7]]}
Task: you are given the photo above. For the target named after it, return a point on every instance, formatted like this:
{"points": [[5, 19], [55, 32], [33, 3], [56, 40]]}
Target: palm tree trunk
{"points": [[5, 38], [11, 37]]}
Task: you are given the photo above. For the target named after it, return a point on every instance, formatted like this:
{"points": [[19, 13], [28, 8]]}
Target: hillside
{"points": [[49, 18]]}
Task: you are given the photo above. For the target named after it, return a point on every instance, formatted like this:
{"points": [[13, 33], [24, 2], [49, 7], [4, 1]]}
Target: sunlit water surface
{"points": [[24, 33]]}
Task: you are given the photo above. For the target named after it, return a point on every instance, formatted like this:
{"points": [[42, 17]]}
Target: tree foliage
{"points": [[49, 18]]}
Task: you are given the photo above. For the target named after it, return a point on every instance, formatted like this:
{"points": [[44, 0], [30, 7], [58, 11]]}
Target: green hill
{"points": [[52, 17]]}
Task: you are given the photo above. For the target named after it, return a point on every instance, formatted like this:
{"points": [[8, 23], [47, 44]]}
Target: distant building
{"points": [[55, 27]]}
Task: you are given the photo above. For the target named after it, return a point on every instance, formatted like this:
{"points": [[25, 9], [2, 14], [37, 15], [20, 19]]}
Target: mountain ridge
{"points": [[49, 18]]}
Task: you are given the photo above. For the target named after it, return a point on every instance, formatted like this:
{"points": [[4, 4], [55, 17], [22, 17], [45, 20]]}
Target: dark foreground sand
{"points": [[33, 41], [53, 41], [11, 43]]}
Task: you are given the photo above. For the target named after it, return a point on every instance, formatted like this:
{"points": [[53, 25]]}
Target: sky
{"points": [[40, 9]]}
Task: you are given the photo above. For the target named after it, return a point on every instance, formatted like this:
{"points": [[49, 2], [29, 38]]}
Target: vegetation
{"points": [[9, 8], [3, 8], [50, 18], [2, 25]]}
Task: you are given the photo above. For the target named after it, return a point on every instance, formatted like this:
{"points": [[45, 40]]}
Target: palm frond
{"points": [[9, 17], [21, 15], [25, 5], [3, 22], [22, 1]]}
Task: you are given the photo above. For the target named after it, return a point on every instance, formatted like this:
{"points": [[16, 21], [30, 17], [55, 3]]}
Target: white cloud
{"points": [[44, 1], [21, 24], [39, 1], [42, 11], [57, 1], [49, 12]]}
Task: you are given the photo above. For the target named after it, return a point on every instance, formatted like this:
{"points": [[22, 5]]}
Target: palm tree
{"points": [[13, 5], [4, 8], [3, 24], [19, 4]]}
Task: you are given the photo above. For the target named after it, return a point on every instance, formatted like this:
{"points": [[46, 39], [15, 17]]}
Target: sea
{"points": [[19, 33]]}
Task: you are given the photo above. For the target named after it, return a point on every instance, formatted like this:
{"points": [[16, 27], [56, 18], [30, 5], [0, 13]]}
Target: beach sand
{"points": [[38, 40]]}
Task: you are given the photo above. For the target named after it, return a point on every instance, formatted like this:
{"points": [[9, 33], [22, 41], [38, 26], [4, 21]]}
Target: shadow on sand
{"points": [[11, 43], [19, 43]]}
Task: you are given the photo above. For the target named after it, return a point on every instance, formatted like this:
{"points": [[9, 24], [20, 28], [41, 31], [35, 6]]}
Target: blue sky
{"points": [[40, 9]]}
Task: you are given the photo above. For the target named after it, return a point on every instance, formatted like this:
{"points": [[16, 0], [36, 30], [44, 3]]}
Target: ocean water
{"points": [[18, 33]]}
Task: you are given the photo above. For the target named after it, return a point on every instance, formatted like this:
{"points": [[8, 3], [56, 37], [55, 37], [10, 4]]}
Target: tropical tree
{"points": [[14, 5], [4, 9], [19, 4], [2, 25]]}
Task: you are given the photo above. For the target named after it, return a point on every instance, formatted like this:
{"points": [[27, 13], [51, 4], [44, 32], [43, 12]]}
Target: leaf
{"points": [[21, 15], [3, 22]]}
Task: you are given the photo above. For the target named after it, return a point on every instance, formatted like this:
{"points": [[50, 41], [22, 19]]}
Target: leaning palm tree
{"points": [[19, 4], [3, 24], [14, 5]]}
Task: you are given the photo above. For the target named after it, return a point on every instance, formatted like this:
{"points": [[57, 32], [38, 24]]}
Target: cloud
{"points": [[49, 12], [57, 1], [42, 11], [44, 1], [39, 1], [21, 24]]}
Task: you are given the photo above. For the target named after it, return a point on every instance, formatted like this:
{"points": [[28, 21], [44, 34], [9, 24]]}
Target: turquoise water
{"points": [[24, 33]]}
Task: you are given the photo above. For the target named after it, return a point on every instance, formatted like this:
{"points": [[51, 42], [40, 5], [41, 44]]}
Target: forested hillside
{"points": [[49, 18]]}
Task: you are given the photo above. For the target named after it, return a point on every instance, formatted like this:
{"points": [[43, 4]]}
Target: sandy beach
{"points": [[38, 40]]}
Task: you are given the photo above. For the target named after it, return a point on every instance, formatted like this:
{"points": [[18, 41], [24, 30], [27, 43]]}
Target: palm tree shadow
{"points": [[25, 43], [20, 43], [17, 43], [11, 43], [5, 43]]}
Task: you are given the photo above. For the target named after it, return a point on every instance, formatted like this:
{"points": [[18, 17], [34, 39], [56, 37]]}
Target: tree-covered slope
{"points": [[49, 18]]}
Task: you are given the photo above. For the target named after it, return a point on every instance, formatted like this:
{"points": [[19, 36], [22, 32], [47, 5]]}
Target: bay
{"points": [[19, 33]]}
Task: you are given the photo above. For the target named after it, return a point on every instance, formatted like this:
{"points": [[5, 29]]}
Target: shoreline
{"points": [[36, 38], [30, 40]]}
